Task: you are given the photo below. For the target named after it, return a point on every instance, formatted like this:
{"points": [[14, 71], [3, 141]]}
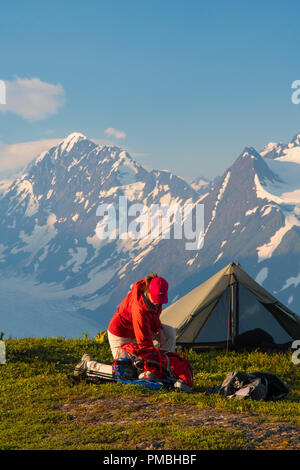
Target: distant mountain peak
{"points": [[283, 152], [201, 184], [272, 150], [296, 139], [68, 143], [278, 150], [250, 152], [75, 135]]}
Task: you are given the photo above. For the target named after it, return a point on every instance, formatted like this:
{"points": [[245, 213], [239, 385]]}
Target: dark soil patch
{"points": [[257, 432]]}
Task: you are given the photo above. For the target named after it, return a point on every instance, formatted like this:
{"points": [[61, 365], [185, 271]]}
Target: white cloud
{"points": [[115, 133], [32, 99], [18, 155]]}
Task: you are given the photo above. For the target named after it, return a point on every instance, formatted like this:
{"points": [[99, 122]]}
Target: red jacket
{"points": [[134, 319]]}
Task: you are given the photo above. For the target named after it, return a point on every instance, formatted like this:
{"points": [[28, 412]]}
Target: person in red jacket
{"points": [[137, 318], [136, 321]]}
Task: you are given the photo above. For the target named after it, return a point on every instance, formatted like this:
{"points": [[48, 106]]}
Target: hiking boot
{"points": [[147, 375], [81, 368], [181, 387]]}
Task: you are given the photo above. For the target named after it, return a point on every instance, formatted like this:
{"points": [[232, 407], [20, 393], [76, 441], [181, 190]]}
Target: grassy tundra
{"points": [[40, 410]]}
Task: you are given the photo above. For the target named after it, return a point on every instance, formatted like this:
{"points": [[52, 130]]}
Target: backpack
{"points": [[168, 368], [255, 385], [152, 367]]}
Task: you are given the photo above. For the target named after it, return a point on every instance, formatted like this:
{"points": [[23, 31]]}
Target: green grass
{"points": [[34, 390]]}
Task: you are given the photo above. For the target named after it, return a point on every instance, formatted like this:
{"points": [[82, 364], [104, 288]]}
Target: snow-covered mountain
{"points": [[279, 151], [253, 216], [49, 241], [59, 278], [201, 184]]}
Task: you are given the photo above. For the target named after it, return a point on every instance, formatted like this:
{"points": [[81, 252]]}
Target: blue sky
{"points": [[188, 83]]}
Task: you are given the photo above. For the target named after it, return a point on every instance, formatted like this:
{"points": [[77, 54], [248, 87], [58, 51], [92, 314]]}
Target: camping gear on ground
{"points": [[226, 306], [88, 368], [162, 365], [254, 385], [150, 367]]}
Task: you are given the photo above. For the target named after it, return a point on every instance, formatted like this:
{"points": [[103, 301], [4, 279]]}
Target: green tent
{"points": [[227, 305]]}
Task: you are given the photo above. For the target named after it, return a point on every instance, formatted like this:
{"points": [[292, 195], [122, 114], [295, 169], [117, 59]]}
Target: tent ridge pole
{"points": [[237, 308]]}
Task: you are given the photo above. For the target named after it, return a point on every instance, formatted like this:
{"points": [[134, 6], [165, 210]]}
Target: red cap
{"points": [[159, 290]]}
